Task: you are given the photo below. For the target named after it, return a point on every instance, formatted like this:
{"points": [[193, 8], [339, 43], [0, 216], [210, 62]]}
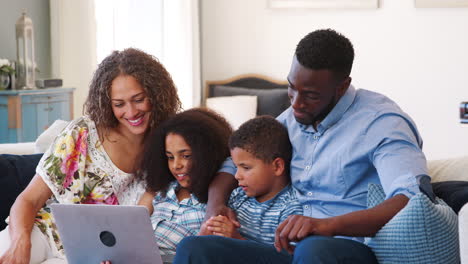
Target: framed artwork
{"points": [[441, 3], [327, 4]]}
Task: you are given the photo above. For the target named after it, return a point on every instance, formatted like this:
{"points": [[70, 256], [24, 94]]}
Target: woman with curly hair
{"points": [[92, 161], [180, 160]]}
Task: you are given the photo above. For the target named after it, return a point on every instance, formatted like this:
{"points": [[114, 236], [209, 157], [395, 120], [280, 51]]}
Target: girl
{"points": [[180, 160]]}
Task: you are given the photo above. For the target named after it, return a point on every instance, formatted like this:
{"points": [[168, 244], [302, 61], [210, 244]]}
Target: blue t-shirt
{"points": [[259, 220]]}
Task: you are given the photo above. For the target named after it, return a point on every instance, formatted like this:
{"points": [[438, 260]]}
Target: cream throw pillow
{"points": [[236, 109], [454, 169], [48, 136]]}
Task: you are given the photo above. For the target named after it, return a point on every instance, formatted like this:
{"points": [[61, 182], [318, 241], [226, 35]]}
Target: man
{"points": [[343, 139]]}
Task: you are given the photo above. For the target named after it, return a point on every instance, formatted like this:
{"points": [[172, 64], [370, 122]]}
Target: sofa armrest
{"points": [[18, 148], [463, 233], [42, 143]]}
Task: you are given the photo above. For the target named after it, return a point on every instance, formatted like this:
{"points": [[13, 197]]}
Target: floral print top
{"points": [[77, 169]]}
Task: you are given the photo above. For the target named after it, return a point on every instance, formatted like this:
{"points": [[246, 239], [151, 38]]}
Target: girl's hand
{"points": [[106, 262], [222, 226], [147, 201]]}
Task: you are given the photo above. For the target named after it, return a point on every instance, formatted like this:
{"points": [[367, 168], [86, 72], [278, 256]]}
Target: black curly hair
{"points": [[148, 71], [326, 49], [207, 134], [265, 138]]}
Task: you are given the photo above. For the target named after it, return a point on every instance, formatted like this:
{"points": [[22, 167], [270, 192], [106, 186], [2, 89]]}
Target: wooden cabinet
{"points": [[25, 114]]}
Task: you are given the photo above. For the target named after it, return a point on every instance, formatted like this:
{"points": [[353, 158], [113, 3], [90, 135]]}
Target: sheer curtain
{"points": [[181, 48], [73, 46], [167, 29]]}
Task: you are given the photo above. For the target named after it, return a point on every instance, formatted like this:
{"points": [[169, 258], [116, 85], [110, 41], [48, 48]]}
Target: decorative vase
{"points": [[4, 81]]}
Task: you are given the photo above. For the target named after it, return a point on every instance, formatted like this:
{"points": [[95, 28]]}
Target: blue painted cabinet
{"points": [[25, 114]]}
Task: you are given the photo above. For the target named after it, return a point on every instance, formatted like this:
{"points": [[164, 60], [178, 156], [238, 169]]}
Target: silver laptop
{"points": [[94, 233]]}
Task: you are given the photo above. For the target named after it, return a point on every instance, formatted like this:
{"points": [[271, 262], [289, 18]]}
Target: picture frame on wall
{"points": [[324, 4], [440, 3]]}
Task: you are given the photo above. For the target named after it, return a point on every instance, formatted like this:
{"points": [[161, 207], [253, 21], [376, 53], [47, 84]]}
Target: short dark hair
{"points": [[326, 49], [207, 134], [148, 71], [265, 138]]}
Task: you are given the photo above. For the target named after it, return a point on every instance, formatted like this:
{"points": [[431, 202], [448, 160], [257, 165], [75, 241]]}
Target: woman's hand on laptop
{"points": [[18, 253]]}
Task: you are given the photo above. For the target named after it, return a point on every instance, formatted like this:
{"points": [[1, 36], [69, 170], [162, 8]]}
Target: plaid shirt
{"points": [[173, 220]]}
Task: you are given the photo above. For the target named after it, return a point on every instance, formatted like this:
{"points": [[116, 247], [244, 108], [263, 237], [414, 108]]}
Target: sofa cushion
{"points": [[16, 171], [422, 232], [270, 101], [236, 109], [454, 193]]}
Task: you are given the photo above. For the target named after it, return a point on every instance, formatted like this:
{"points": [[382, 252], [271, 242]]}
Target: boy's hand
{"points": [[204, 230], [222, 210], [222, 226]]}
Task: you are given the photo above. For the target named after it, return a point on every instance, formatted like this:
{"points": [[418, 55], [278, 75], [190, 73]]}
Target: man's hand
{"points": [[297, 227], [222, 226], [222, 210]]}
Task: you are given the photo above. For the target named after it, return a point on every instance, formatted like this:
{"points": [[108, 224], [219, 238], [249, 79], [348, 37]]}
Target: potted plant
{"points": [[5, 71]]}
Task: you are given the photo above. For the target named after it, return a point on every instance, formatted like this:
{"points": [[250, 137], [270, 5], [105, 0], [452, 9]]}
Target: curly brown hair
{"points": [[148, 71], [207, 134]]}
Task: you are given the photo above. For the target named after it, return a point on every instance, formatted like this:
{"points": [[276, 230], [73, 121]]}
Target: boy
{"points": [[261, 150]]}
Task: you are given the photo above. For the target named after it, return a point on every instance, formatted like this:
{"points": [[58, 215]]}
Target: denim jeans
{"points": [[313, 249]]}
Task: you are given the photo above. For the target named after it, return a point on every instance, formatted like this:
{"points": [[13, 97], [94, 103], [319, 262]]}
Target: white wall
{"points": [[38, 11], [417, 57]]}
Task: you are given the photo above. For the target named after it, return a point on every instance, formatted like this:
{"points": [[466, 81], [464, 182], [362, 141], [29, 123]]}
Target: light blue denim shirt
{"points": [[366, 138]]}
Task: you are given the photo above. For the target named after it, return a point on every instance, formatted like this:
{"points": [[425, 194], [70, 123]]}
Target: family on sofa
{"points": [[303, 194]]}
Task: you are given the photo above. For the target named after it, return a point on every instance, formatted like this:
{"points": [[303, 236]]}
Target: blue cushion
{"points": [[422, 232]]}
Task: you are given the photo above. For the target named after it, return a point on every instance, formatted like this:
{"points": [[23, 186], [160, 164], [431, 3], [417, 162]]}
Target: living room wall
{"points": [[38, 11], [418, 57]]}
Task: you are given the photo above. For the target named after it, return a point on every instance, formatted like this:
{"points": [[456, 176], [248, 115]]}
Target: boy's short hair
{"points": [[265, 138]]}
